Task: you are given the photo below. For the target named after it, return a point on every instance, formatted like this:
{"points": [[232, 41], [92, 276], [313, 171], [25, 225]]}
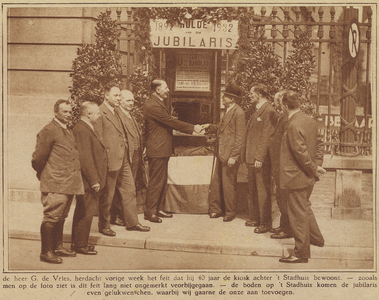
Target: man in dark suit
{"points": [[119, 173], [94, 165], [230, 134], [134, 137], [284, 230], [301, 157], [260, 127], [159, 126], [56, 160]]}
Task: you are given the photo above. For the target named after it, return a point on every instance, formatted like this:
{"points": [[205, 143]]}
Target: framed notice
{"points": [[193, 71]]}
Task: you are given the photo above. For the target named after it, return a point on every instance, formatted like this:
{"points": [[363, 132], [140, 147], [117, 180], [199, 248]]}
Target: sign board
{"points": [[193, 71], [194, 34], [335, 122], [353, 38]]}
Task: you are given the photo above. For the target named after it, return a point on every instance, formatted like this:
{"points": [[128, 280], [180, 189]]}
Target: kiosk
{"points": [[193, 58]]}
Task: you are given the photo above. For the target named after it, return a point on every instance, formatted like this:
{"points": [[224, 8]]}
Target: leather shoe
{"points": [[118, 221], [153, 218], [164, 214], [293, 259], [280, 235], [107, 231], [139, 227], [50, 257], [88, 250], [262, 229], [61, 251], [275, 230], [251, 223], [214, 215], [228, 218]]}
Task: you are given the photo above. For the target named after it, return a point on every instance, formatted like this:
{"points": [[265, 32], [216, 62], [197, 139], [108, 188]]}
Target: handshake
{"points": [[200, 129]]}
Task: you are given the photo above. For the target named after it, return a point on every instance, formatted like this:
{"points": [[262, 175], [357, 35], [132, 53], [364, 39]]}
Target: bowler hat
{"points": [[232, 89]]}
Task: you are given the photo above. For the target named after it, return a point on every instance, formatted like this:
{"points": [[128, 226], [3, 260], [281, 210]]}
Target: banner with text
{"points": [[196, 34]]}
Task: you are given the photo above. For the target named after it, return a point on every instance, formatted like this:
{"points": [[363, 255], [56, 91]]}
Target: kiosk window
{"points": [[193, 72]]}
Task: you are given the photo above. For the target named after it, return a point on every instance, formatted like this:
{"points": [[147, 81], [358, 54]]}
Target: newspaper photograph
{"points": [[188, 150]]}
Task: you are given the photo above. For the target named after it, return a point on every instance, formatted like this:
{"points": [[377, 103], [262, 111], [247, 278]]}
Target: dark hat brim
{"points": [[230, 94]]}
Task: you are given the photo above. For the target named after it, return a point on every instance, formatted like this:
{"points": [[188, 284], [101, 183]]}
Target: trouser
{"points": [[123, 181], [258, 196], [302, 220], [86, 206], [116, 209], [222, 194], [281, 199], [156, 190], [55, 211]]}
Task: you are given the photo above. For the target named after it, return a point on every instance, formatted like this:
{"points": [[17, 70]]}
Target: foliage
{"points": [[298, 69], [140, 83], [96, 65], [256, 61]]}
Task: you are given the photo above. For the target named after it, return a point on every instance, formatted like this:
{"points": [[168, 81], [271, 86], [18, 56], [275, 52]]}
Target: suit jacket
{"points": [[274, 146], [301, 152], [112, 134], [56, 160], [92, 154], [133, 134], [231, 133], [259, 130], [159, 126]]}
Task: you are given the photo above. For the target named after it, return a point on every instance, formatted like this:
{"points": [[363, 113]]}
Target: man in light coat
{"points": [[119, 174]]}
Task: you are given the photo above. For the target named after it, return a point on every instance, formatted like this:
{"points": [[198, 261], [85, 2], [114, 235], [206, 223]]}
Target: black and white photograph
{"points": [[191, 149]]}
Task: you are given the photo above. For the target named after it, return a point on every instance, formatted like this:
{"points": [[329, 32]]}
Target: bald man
{"points": [[134, 136]]}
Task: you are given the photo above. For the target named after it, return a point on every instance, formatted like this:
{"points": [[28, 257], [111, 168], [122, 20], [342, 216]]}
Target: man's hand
{"points": [[320, 171], [231, 162], [96, 187], [197, 128], [205, 126], [258, 164]]}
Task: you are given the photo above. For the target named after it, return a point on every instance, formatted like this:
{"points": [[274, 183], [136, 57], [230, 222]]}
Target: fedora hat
{"points": [[232, 89]]}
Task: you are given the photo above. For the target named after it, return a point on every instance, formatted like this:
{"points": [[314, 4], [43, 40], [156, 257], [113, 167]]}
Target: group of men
{"points": [[99, 159], [282, 144], [98, 162]]}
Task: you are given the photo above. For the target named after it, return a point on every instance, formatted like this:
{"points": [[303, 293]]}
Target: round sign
{"points": [[353, 39]]}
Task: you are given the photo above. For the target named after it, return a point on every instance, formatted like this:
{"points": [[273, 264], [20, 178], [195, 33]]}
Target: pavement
{"points": [[344, 239]]}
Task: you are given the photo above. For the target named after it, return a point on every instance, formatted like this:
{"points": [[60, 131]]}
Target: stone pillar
{"points": [[347, 199]]}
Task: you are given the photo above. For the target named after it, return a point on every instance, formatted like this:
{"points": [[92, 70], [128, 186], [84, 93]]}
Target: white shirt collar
{"points": [[156, 95], [230, 107], [60, 123], [126, 112], [259, 105], [88, 123], [110, 107], [292, 113]]}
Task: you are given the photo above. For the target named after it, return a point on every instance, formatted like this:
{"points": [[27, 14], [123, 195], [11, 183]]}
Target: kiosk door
{"points": [[194, 80]]}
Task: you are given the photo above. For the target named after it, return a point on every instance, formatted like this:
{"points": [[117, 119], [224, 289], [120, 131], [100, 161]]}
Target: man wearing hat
{"points": [[229, 148]]}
